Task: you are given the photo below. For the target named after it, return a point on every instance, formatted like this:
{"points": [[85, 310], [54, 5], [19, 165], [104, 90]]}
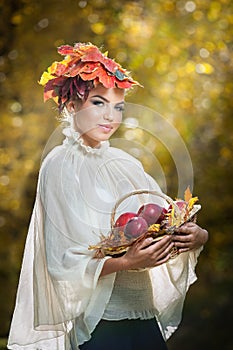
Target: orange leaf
{"points": [[107, 80], [49, 94], [90, 76], [187, 194], [125, 84]]}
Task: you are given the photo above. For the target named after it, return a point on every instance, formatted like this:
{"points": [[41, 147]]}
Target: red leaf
{"points": [[82, 67], [65, 50], [94, 55]]}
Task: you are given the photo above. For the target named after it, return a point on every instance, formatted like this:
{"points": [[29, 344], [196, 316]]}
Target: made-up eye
{"points": [[98, 103], [120, 107]]}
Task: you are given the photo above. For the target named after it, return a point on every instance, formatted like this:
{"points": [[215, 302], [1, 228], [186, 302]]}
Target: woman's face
{"points": [[100, 115]]}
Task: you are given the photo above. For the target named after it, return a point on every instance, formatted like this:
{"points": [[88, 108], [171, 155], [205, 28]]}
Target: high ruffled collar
{"points": [[73, 137]]}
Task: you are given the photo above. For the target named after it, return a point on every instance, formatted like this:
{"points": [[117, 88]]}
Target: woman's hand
{"points": [[189, 236], [142, 254]]}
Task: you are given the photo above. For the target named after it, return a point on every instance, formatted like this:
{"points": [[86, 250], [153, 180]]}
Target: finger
{"points": [[182, 239], [164, 257], [183, 230], [144, 243], [160, 246], [156, 244], [162, 261], [184, 245], [165, 252], [164, 241], [188, 226], [183, 250]]}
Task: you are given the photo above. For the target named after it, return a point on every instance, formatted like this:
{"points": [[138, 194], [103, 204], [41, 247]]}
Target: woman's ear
{"points": [[72, 106]]}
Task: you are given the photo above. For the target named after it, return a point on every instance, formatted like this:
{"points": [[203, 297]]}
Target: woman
{"points": [[67, 297]]}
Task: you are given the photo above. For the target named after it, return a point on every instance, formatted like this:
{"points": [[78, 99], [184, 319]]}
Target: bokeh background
{"points": [[181, 51]]}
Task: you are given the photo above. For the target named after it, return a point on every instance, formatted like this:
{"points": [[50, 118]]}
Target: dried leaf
{"points": [[87, 62], [191, 202], [116, 242], [65, 50], [154, 227], [187, 194]]}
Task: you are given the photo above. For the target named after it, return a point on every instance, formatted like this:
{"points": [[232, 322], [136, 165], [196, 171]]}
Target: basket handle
{"points": [[136, 192]]}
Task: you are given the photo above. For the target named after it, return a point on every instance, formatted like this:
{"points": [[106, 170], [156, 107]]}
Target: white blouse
{"points": [[132, 297], [60, 278]]}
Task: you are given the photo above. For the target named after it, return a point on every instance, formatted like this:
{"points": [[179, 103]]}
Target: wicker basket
{"points": [[116, 244]]}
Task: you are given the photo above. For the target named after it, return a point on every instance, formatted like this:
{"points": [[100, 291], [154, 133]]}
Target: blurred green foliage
{"points": [[181, 51]]}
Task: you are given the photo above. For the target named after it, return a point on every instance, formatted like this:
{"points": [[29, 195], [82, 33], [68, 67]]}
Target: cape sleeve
{"points": [[171, 282], [59, 278], [23, 334], [71, 270]]}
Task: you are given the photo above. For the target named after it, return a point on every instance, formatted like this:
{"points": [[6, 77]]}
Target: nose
{"points": [[109, 113]]}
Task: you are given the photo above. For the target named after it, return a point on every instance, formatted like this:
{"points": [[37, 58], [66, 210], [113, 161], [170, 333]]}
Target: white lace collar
{"points": [[73, 137]]}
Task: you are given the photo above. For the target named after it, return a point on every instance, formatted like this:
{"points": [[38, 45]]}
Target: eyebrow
{"points": [[106, 100]]}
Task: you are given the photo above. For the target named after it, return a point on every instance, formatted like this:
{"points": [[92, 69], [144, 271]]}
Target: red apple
{"points": [[135, 227], [181, 204], [152, 213], [124, 218], [162, 215]]}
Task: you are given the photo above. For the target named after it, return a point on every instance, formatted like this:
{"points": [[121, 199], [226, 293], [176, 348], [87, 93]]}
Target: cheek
{"points": [[117, 122], [86, 120], [117, 117]]}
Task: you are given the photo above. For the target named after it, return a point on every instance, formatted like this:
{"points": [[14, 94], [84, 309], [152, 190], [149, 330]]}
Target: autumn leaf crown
{"points": [[83, 67]]}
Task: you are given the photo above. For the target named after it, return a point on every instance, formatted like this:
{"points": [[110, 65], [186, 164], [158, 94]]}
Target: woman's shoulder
{"points": [[53, 160], [121, 154]]}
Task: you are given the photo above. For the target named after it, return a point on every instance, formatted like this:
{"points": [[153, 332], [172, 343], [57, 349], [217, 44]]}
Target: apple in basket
{"points": [[123, 219], [181, 204], [152, 213], [135, 227]]}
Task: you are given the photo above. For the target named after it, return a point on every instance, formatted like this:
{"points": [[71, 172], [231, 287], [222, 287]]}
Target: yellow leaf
{"points": [[46, 76], [171, 217], [154, 227], [191, 202]]}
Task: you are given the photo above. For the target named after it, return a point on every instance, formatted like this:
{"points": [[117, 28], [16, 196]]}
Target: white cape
{"points": [[59, 282]]}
